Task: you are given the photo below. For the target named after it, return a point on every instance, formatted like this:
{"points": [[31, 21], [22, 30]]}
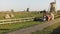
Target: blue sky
{"points": [[20, 5]]}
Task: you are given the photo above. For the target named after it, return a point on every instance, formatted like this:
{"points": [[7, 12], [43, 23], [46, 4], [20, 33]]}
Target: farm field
{"points": [[11, 27], [20, 14], [14, 26], [53, 29]]}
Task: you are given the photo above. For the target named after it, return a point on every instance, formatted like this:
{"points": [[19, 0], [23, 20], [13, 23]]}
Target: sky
{"points": [[20, 5]]}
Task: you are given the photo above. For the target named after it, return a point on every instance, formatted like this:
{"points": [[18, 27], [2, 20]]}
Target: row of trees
{"points": [[12, 10]]}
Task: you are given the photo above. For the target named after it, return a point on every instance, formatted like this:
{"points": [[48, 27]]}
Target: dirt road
{"points": [[35, 28]]}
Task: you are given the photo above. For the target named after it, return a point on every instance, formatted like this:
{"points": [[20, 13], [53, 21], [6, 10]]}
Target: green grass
{"points": [[11, 27], [20, 14], [47, 30], [23, 14]]}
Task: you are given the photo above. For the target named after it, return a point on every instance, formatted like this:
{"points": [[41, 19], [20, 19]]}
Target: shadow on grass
{"points": [[56, 31], [38, 19]]}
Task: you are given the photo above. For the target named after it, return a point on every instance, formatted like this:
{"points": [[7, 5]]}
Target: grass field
{"points": [[11, 27], [20, 14], [48, 30]]}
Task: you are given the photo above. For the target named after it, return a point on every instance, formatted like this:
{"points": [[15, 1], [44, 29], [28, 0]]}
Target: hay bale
{"points": [[7, 16], [11, 15]]}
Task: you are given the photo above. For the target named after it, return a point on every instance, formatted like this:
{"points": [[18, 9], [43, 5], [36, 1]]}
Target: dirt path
{"points": [[35, 28]]}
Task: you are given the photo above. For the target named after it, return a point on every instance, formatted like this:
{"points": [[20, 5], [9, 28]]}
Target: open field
{"points": [[23, 14], [11, 27], [20, 14], [49, 30], [14, 26], [35, 28]]}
